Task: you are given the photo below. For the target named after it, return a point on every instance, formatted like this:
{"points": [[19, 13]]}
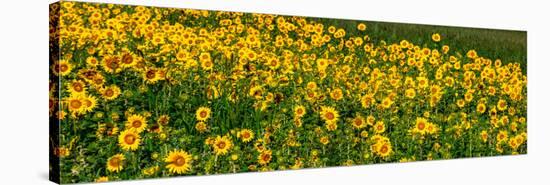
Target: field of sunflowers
{"points": [[141, 92]]}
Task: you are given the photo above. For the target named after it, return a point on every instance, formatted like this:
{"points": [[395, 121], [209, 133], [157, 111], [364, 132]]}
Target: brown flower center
{"points": [[384, 149], [421, 125], [63, 67], [329, 115], [127, 58], [180, 161], [109, 92], [136, 124], [221, 145], [75, 104], [129, 139], [78, 87], [151, 74], [114, 161]]}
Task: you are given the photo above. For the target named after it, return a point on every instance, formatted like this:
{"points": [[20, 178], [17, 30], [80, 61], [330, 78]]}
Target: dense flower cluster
{"points": [[153, 92]]}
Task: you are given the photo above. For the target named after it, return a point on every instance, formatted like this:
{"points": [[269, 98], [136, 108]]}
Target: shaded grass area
{"points": [[508, 45]]}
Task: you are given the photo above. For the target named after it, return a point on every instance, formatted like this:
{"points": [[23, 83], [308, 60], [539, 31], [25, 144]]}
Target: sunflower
{"points": [[129, 140], [102, 179], [110, 92], [361, 27], [410, 93], [92, 61], [299, 111], [336, 94], [367, 101], [182, 55], [64, 68], [111, 64], [501, 105], [331, 126], [371, 120], [265, 157], [163, 120], [128, 59], [203, 113], [379, 127], [481, 108], [151, 75], [329, 114], [324, 140], [436, 37], [256, 92], [136, 123], [384, 149], [76, 87], [76, 104], [472, 54], [90, 102], [207, 65], [502, 136], [460, 103], [484, 136], [358, 122], [179, 161], [221, 145], [387, 102], [273, 63], [201, 127], [246, 135], [420, 126], [422, 82], [311, 86], [114, 163]]}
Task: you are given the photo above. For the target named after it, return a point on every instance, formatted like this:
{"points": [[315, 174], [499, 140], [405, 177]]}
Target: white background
{"points": [[24, 86]]}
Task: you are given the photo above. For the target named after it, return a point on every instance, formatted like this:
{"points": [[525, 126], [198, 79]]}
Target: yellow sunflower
{"points": [[151, 75], [256, 92], [361, 26], [384, 149], [436, 37], [379, 127], [481, 108], [64, 67], [76, 87], [114, 163], [222, 145], [420, 126], [329, 114], [502, 136], [102, 179], [203, 113], [246, 135], [410, 93], [129, 140], [484, 136], [299, 111], [110, 92], [367, 101], [358, 122], [76, 104], [179, 161], [136, 123], [90, 102], [502, 105], [265, 157]]}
